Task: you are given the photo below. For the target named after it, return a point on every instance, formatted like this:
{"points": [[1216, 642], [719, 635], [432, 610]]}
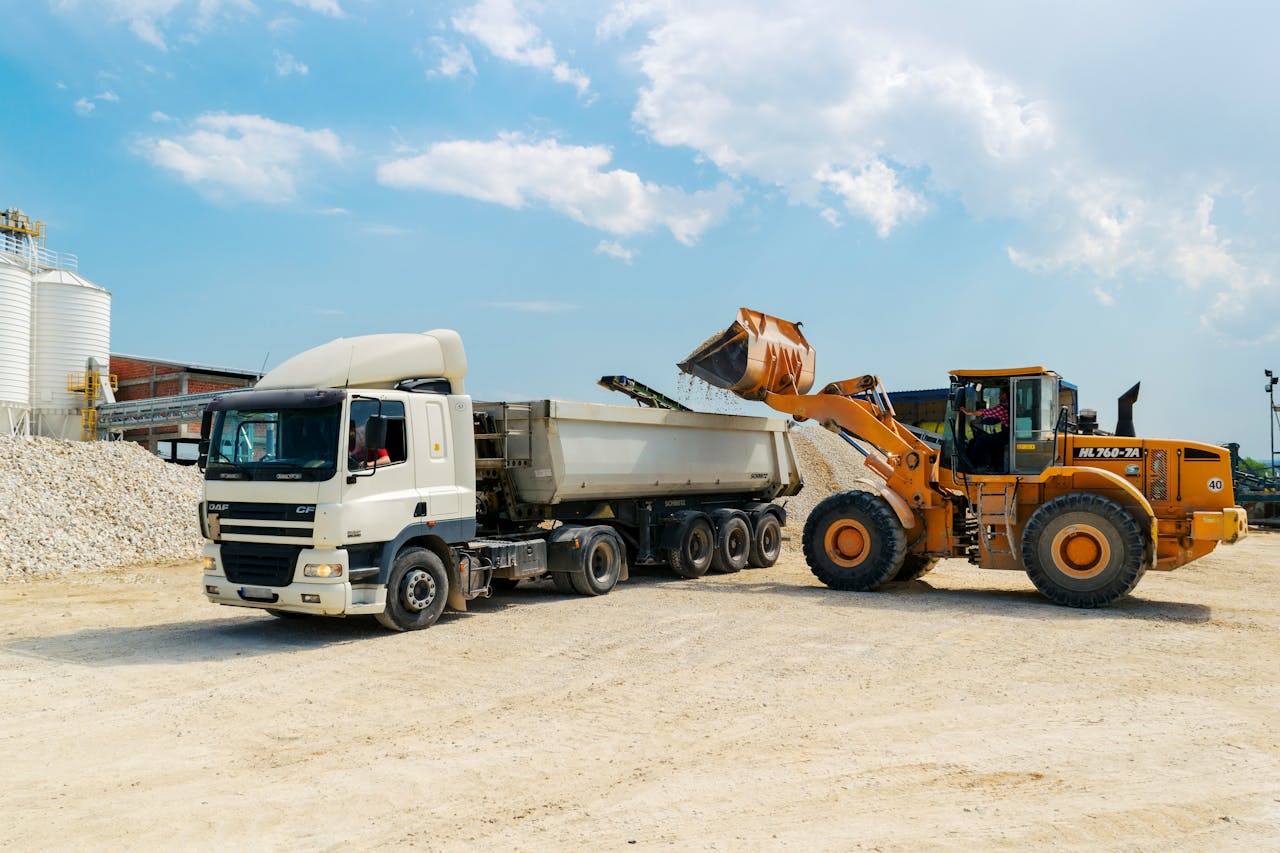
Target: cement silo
{"points": [[15, 343], [72, 323]]}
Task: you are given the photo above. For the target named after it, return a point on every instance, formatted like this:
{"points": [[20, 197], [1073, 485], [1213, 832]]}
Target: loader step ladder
{"points": [[996, 506]]}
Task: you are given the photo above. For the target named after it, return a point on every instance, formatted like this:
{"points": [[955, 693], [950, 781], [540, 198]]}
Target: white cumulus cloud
{"points": [[572, 179], [244, 156], [455, 60], [614, 249], [329, 8], [508, 34], [149, 20], [287, 64]]}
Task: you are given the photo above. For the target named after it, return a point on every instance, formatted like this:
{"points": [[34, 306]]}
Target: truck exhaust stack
{"points": [[755, 356]]}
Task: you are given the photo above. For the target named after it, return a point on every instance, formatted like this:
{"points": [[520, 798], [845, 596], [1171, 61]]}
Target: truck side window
{"points": [[393, 413]]}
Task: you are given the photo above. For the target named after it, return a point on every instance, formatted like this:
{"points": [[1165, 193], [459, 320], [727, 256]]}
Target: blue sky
{"points": [[583, 189]]}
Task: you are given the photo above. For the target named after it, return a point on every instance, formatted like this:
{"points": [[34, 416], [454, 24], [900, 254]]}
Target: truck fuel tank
{"points": [[757, 355]]}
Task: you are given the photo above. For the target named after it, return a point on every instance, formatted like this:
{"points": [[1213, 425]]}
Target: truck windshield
{"points": [[274, 444]]}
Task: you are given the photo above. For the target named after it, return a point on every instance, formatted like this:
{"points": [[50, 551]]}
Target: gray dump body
{"points": [[555, 451]]}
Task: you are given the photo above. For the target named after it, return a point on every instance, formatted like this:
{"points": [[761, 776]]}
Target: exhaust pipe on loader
{"points": [[755, 356], [1124, 420]]}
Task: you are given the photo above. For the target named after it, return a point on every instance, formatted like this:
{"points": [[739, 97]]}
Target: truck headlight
{"points": [[210, 564], [322, 570]]}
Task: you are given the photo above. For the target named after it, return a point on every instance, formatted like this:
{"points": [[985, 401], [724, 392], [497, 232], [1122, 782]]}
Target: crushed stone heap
{"points": [[828, 465], [77, 507]]}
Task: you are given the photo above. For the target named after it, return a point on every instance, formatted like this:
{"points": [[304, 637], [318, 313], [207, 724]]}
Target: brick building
{"points": [[147, 378]]}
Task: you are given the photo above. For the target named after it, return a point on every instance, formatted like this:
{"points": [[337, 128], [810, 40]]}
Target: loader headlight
{"points": [[322, 570]]}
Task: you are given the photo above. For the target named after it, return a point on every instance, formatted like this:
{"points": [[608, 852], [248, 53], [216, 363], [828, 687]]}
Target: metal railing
{"points": [[33, 257]]}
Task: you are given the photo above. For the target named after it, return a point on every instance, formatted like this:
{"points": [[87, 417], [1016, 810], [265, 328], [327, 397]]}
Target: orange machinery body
{"points": [[1178, 492]]}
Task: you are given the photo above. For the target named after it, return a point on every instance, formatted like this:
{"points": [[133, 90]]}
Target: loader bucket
{"points": [[757, 355]]}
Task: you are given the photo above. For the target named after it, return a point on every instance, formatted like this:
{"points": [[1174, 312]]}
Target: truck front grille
{"points": [[259, 563]]}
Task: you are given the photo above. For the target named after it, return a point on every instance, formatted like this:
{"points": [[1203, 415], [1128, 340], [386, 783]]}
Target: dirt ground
{"points": [[748, 711]]}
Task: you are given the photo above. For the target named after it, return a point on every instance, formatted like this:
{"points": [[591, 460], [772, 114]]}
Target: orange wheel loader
{"points": [[1084, 514]]}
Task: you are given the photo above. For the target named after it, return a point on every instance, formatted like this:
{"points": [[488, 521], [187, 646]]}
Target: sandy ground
{"points": [[748, 711]]}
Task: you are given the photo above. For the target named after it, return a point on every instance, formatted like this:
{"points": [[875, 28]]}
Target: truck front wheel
{"points": [[853, 541], [416, 591]]}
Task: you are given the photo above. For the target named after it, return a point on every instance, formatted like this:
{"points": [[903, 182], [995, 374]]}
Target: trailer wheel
{"points": [[416, 591], [733, 543], [853, 541], [600, 559], [1083, 550], [914, 567], [563, 583], [696, 544], [766, 542]]}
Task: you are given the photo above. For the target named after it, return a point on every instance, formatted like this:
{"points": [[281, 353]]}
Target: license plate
{"points": [[257, 593]]}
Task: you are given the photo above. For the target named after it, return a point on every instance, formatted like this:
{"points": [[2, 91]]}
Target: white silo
{"points": [[15, 346], [72, 323]]}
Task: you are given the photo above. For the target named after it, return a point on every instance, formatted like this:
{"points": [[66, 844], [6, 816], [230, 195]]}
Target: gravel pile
{"points": [[829, 465], [72, 507]]}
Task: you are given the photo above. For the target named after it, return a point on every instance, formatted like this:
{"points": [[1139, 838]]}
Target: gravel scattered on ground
{"points": [[69, 507]]}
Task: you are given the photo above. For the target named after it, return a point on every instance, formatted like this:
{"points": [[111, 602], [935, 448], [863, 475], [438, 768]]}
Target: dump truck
{"points": [[359, 478], [1084, 514]]}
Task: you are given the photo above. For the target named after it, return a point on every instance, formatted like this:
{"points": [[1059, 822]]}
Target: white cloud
{"points": [[571, 179], [160, 117], [505, 31], [837, 110], [244, 156], [329, 8], [333, 211], [283, 24], [286, 65], [614, 249], [149, 19], [83, 107], [108, 96], [455, 60], [535, 307]]}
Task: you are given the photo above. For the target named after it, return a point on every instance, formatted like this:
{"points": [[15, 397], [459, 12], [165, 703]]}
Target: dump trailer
{"points": [[1016, 483], [359, 478]]}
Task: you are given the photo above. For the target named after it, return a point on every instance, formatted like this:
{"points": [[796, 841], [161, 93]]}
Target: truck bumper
{"points": [[303, 595], [1229, 525]]}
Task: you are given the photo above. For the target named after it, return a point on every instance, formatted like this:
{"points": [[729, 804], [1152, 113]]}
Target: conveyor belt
{"points": [[154, 412]]}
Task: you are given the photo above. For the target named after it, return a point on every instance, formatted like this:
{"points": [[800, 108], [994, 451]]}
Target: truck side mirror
{"points": [[375, 432], [206, 424]]}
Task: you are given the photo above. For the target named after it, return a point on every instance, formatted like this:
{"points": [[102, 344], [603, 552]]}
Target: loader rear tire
{"points": [[766, 542], [854, 542], [1083, 550], [914, 567]]}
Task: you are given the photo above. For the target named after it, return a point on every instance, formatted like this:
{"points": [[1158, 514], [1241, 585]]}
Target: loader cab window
{"points": [[1034, 418], [393, 413], [979, 440]]}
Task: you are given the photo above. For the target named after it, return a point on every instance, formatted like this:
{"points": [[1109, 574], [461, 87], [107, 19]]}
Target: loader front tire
{"points": [[1083, 550], [854, 542]]}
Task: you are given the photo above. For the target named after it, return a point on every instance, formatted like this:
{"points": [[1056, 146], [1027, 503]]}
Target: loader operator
{"points": [[988, 448]]}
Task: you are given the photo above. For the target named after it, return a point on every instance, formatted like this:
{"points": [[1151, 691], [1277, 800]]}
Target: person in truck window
{"points": [[988, 448], [361, 456]]}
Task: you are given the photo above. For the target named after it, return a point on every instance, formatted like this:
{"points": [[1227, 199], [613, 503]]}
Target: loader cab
{"points": [[1028, 445]]}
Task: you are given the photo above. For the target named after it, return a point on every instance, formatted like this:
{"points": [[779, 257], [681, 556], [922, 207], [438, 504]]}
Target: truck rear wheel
{"points": [[695, 545], [600, 559], [1083, 550], [733, 543], [416, 591], [853, 541], [766, 542]]}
